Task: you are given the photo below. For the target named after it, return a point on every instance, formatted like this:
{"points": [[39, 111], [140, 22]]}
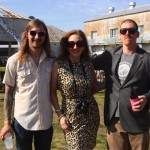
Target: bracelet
{"points": [[57, 110], [62, 115]]}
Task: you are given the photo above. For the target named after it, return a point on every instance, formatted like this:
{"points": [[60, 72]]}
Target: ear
{"points": [[26, 34], [138, 34]]}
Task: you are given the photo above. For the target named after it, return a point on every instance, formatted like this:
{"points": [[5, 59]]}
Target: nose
{"points": [[75, 46], [127, 32], [37, 35]]}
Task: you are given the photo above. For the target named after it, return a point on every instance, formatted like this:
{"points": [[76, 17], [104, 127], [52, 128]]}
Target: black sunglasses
{"points": [[40, 33], [130, 30], [79, 44]]}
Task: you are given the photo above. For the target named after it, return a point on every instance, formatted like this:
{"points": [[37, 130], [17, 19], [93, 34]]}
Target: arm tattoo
{"points": [[8, 102]]}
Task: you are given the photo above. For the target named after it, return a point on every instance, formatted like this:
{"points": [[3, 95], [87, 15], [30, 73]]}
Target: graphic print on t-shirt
{"points": [[123, 70], [124, 66]]}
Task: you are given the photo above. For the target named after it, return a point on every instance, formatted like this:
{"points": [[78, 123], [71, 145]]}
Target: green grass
{"points": [[2, 147], [58, 142], [2, 69]]}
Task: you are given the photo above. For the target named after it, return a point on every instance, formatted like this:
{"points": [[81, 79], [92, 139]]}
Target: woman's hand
{"points": [[65, 124]]}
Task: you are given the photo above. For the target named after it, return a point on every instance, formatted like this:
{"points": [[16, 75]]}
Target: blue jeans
{"points": [[42, 138]]}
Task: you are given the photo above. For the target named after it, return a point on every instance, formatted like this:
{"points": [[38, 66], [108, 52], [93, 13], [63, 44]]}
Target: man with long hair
{"points": [[27, 82]]}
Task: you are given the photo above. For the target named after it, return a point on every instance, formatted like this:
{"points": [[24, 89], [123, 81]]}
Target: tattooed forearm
{"points": [[8, 102]]}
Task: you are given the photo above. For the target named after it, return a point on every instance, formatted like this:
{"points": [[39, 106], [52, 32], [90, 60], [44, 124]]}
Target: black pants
{"points": [[42, 138]]}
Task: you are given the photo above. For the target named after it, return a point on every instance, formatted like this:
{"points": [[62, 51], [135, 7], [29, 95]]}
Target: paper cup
{"points": [[132, 101], [8, 141]]}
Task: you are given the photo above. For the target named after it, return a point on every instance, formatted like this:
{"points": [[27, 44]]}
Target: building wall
{"points": [[102, 26], [55, 48], [102, 29]]}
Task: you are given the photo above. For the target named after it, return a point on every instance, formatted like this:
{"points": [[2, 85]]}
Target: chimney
{"points": [[132, 5], [111, 9]]}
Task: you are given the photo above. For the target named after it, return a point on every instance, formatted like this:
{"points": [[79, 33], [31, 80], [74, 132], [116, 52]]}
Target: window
{"points": [[93, 35], [141, 29], [114, 32]]}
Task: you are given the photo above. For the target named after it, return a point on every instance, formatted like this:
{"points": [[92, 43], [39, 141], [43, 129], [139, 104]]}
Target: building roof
{"points": [[55, 34], [124, 12], [9, 14]]}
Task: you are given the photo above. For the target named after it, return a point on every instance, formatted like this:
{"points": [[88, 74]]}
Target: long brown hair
{"points": [[64, 54], [24, 48]]}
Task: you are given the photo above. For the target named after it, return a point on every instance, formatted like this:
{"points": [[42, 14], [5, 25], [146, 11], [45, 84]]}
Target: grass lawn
{"points": [[58, 142], [2, 69]]}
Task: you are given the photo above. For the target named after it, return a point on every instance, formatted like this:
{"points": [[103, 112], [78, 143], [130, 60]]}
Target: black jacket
{"points": [[138, 77]]}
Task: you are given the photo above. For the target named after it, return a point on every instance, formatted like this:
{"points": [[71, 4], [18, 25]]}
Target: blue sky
{"points": [[66, 14]]}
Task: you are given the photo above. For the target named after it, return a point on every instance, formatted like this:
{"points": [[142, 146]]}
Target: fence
{"points": [[100, 75]]}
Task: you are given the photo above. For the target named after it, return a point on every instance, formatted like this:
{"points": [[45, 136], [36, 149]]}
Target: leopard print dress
{"points": [[75, 89]]}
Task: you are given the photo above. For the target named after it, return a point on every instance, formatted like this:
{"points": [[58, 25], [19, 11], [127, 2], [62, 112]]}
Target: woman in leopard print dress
{"points": [[74, 76]]}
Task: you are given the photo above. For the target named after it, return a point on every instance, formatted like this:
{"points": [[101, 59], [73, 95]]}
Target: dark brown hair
{"points": [[24, 48], [64, 54]]}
